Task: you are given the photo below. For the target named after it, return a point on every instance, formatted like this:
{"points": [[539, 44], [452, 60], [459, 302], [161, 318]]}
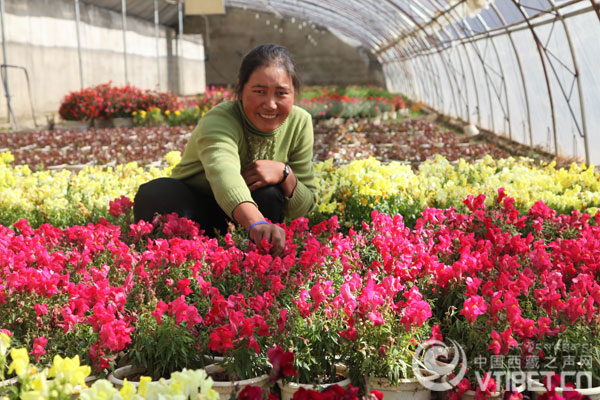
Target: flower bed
{"points": [[71, 148], [63, 198], [493, 279], [411, 141], [106, 101], [349, 191]]}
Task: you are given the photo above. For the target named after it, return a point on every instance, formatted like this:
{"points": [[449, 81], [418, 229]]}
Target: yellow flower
{"points": [[68, 370], [100, 390], [20, 362], [144, 380], [177, 112], [6, 158], [128, 390], [4, 343], [173, 158], [167, 112]]}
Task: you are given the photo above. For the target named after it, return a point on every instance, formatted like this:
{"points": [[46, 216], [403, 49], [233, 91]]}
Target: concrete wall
{"points": [[41, 36], [321, 57]]}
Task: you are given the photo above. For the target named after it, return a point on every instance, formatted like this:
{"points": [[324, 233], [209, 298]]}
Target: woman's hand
{"points": [[274, 234], [247, 214], [263, 173]]}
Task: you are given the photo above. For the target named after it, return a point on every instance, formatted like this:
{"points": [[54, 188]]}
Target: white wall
{"points": [[41, 36]]}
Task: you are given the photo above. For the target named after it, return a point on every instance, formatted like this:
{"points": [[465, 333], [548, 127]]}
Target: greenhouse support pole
{"points": [[157, 38], [124, 18], [5, 62], [180, 46], [77, 20]]}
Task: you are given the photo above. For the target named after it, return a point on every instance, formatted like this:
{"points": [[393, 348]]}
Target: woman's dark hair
{"points": [[264, 55]]}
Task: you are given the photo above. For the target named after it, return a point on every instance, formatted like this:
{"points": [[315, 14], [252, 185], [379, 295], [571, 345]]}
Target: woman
{"points": [[248, 160]]}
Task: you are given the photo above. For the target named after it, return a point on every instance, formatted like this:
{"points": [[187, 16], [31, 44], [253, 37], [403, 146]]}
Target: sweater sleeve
{"points": [[301, 161], [217, 147]]}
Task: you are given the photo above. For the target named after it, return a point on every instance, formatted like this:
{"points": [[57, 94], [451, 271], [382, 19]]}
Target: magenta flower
{"points": [[39, 345], [474, 307]]}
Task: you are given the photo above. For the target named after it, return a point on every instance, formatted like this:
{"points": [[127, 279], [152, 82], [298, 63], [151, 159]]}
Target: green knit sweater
{"points": [[224, 141]]}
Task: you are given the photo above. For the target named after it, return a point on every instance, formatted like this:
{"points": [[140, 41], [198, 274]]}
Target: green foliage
{"points": [[165, 348], [151, 117], [316, 345], [186, 116]]}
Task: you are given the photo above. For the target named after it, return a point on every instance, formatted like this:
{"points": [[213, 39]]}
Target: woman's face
{"points": [[268, 97]]}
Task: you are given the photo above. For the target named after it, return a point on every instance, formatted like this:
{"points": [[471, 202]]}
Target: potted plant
{"points": [[382, 339], [157, 350], [78, 109], [312, 333]]}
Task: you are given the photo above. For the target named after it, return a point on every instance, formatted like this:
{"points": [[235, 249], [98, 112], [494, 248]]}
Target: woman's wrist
{"points": [[254, 224], [288, 185]]}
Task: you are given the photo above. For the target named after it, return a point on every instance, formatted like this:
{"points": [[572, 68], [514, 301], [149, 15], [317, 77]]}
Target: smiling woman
{"points": [[248, 161]]}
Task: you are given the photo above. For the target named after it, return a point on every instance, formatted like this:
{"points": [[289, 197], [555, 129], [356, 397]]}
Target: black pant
{"points": [[168, 195]]}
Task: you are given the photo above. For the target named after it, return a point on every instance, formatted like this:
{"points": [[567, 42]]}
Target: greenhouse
{"points": [[293, 199]]}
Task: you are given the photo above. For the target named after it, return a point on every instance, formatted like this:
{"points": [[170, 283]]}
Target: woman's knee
{"points": [[270, 201], [163, 196]]}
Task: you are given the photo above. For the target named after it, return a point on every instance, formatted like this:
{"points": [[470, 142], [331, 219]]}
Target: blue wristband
{"points": [[256, 223]]}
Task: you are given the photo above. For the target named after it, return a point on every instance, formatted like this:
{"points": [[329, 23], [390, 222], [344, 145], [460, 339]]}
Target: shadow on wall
{"points": [[322, 58]]}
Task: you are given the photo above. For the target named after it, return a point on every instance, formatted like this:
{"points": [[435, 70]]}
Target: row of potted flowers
{"points": [[152, 108], [149, 107], [499, 283]]}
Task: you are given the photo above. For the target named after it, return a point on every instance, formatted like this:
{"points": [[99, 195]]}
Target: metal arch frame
{"points": [[447, 65], [367, 36], [463, 74], [501, 65], [415, 34], [449, 13], [578, 81], [283, 6], [546, 77], [418, 41], [467, 29], [470, 62], [520, 65], [596, 7]]}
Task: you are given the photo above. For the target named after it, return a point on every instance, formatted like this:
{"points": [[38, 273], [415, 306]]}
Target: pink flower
{"points": [[349, 334], [119, 206], [39, 346], [40, 309], [160, 309], [474, 307], [496, 345], [281, 320]]}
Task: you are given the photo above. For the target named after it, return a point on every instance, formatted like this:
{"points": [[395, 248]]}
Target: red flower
{"points": [[282, 362], [251, 393], [377, 394]]}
